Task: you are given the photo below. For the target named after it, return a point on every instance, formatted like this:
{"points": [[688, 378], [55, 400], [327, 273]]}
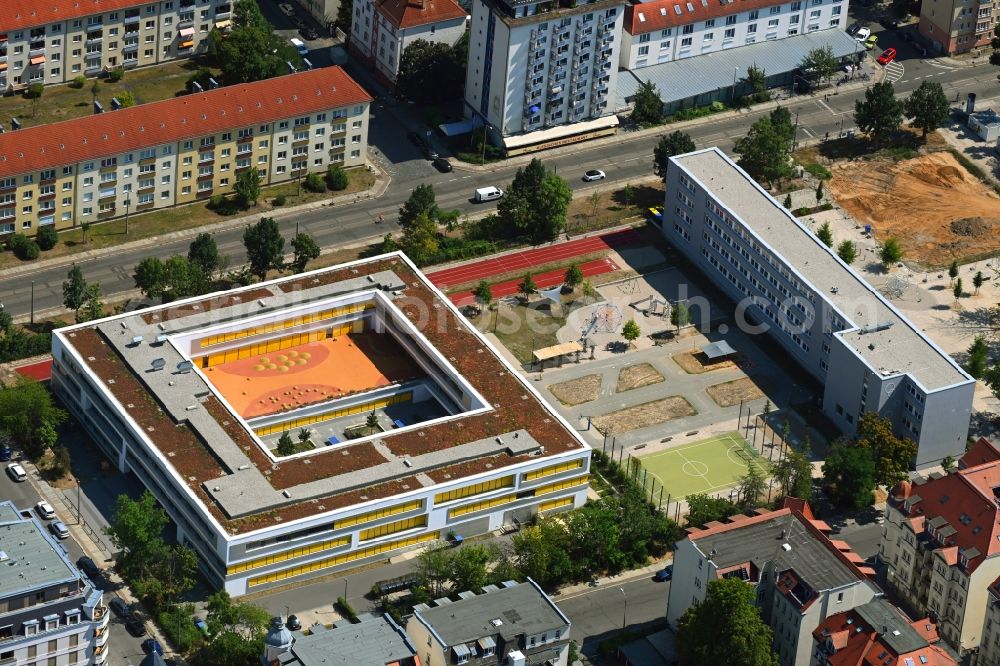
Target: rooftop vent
{"points": [[785, 547], [496, 622]]}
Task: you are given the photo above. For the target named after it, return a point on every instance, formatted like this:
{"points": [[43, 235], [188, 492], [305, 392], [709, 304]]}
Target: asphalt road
{"points": [[625, 160]]}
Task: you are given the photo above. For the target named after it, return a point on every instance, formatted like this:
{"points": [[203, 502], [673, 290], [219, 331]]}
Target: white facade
{"points": [[143, 33], [690, 35], [378, 36], [530, 70]]}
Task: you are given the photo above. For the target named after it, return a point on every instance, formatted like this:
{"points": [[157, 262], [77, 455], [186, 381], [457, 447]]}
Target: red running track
{"points": [[529, 259], [542, 281], [41, 371]]}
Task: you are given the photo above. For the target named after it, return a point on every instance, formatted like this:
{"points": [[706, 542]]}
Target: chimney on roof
{"points": [[419, 4]]}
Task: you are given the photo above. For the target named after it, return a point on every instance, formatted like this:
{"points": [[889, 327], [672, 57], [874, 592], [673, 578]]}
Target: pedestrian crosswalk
{"points": [[894, 72]]}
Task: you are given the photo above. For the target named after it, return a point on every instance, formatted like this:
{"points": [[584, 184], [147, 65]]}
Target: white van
{"points": [[300, 46], [488, 194]]}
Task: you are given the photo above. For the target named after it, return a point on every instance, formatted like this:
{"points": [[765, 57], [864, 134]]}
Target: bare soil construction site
{"points": [[938, 210]]}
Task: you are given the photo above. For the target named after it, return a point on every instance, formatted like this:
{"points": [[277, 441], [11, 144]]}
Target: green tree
{"points": [[928, 107], [6, 321], [126, 98], [337, 178], [647, 107], [880, 113], [136, 531], [751, 487], [535, 204], [182, 278], [26, 409], [47, 237], [847, 251], [247, 187], [952, 272], [725, 628], [669, 145], [470, 566], [238, 617], [420, 240], [574, 276], [819, 197], [542, 552], [252, 51], [304, 435], [891, 252], [680, 315], [756, 81], [93, 307], [793, 472], [74, 290], [893, 455], [978, 280], [788, 201], [825, 234], [947, 463], [314, 183], [764, 152], [265, 247], [957, 289], [483, 293], [345, 14], [286, 446], [703, 509], [434, 568], [631, 331], [819, 62], [978, 357], [305, 250], [526, 287], [429, 73], [371, 421], [849, 477], [204, 253], [150, 277], [420, 202]]}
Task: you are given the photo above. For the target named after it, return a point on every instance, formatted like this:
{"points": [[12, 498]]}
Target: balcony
{"points": [[103, 215], [132, 29], [128, 63], [37, 49], [203, 177], [128, 47]]}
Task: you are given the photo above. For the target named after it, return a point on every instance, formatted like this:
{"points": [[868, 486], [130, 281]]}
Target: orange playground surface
{"points": [[270, 383]]}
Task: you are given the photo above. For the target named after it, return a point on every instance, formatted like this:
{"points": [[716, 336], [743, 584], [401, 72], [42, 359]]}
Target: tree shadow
{"points": [[642, 196], [984, 319], [941, 306]]}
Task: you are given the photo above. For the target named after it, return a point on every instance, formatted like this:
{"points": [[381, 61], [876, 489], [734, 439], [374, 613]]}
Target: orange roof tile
{"points": [[867, 648], [981, 451], [411, 13], [660, 14], [169, 121], [21, 14]]}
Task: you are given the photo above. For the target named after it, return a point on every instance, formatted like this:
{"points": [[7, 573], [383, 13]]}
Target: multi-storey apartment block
{"points": [[193, 397], [801, 577], [180, 150], [543, 73], [382, 29], [58, 40], [666, 30], [789, 284], [989, 645], [954, 26], [50, 612], [878, 633], [513, 625], [941, 547]]}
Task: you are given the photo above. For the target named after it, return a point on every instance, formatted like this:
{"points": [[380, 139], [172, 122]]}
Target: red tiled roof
{"points": [[411, 13], [169, 121], [800, 505], [965, 499], [21, 14], [866, 647], [660, 14], [982, 451]]}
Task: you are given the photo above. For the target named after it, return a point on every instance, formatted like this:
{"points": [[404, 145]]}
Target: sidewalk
{"points": [[382, 181]]}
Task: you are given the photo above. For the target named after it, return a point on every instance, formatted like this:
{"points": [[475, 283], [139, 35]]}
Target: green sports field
{"points": [[707, 466]]}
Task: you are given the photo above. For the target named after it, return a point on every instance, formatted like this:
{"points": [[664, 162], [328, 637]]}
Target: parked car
{"points": [[6, 453], [151, 645], [45, 510], [666, 573], [89, 567], [429, 152], [119, 607], [871, 42], [293, 623], [17, 472], [887, 56], [287, 9], [136, 624], [594, 174], [59, 529], [863, 33], [891, 23], [308, 33], [442, 165], [488, 194]]}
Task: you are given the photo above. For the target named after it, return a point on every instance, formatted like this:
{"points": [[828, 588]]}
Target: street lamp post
{"points": [[625, 610], [79, 520], [128, 204]]}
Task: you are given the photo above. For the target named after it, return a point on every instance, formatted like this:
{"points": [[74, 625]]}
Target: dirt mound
{"points": [[972, 226], [937, 210]]}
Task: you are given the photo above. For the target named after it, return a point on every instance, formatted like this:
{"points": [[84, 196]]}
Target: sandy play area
{"points": [[280, 381], [937, 209]]}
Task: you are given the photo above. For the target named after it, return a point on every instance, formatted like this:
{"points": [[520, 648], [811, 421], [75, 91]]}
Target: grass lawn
{"points": [[158, 222], [523, 329], [599, 210], [706, 466], [63, 102]]}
